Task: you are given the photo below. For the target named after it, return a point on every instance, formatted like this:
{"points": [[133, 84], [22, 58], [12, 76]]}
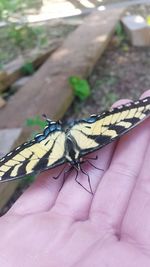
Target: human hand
{"points": [[72, 228]]}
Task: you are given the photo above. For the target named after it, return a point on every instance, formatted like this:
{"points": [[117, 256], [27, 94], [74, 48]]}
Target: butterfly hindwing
{"points": [[44, 152], [99, 130]]}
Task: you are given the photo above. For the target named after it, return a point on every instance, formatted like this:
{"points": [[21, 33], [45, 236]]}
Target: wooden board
{"points": [[48, 90], [2, 102]]}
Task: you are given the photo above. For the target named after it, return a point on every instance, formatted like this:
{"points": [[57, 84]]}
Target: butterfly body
{"points": [[58, 145]]}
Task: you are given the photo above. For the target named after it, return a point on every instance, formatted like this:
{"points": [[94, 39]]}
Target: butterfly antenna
{"points": [[46, 118]]}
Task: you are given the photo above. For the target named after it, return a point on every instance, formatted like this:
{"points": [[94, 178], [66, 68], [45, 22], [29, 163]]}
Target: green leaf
{"points": [[80, 87], [28, 68], [36, 121], [119, 31], [29, 179]]}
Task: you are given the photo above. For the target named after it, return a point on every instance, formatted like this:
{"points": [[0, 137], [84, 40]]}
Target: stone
{"points": [[7, 138], [137, 30]]}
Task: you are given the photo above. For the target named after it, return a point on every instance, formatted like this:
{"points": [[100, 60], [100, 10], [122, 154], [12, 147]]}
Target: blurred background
{"points": [[67, 59]]}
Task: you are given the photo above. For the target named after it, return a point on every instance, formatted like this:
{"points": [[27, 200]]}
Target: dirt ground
{"points": [[122, 72], [39, 37]]}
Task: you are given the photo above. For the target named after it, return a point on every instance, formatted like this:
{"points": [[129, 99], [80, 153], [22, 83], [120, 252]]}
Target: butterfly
{"points": [[58, 144]]}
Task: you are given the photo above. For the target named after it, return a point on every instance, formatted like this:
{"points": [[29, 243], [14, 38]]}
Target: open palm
{"points": [[51, 228]]}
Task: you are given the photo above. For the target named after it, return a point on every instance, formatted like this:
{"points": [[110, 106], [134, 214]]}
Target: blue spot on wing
{"points": [[52, 127], [47, 131], [39, 138], [91, 119]]}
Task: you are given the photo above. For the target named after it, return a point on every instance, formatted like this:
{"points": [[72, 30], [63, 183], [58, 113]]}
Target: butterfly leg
{"points": [[91, 192], [95, 158], [89, 181], [93, 165], [87, 159], [64, 177], [56, 177]]}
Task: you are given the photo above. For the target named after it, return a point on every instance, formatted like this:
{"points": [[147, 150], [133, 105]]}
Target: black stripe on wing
{"points": [[34, 156], [111, 125]]}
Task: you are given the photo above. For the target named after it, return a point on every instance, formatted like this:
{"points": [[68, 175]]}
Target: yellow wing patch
{"points": [[50, 150], [92, 134], [82, 141]]}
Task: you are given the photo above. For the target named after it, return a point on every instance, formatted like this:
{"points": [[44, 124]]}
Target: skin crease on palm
{"points": [[47, 227]]}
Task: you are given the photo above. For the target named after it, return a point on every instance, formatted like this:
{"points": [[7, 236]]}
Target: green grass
{"points": [[16, 40], [109, 99], [20, 38], [108, 80], [9, 7]]}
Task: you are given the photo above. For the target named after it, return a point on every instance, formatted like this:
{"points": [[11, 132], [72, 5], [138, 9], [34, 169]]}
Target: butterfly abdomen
{"points": [[72, 152]]}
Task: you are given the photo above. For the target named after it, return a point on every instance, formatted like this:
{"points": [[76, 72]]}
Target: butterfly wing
{"points": [[99, 130], [45, 151]]}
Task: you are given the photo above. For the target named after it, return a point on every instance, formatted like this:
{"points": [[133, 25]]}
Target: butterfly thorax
{"points": [[73, 153]]}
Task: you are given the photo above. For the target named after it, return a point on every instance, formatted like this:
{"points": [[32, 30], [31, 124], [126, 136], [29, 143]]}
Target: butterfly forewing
{"points": [[99, 130], [44, 152]]}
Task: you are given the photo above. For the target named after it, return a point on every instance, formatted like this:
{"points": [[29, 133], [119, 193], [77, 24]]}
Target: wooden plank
{"points": [[3, 80], [48, 90], [2, 102], [20, 83], [12, 71]]}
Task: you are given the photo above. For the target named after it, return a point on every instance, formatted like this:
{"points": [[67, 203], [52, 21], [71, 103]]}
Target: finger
{"points": [[136, 224], [41, 195], [73, 199], [114, 191]]}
